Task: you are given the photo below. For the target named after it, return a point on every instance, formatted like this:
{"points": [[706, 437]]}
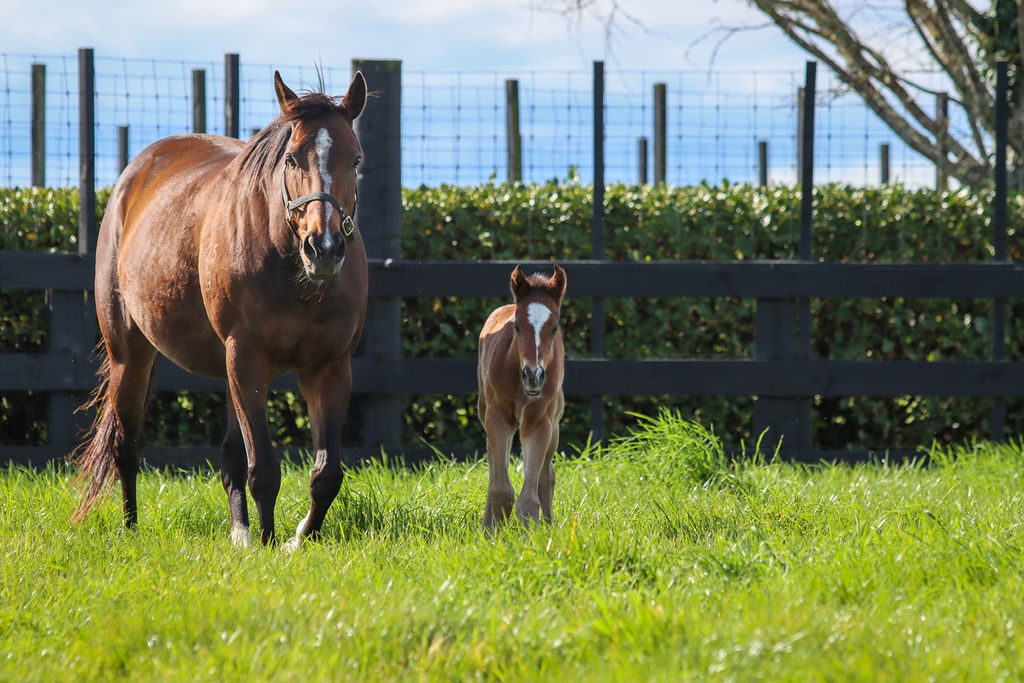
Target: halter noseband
{"points": [[348, 226]]}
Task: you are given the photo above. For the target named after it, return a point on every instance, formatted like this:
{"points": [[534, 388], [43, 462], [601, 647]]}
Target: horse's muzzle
{"points": [[533, 381], [322, 258]]}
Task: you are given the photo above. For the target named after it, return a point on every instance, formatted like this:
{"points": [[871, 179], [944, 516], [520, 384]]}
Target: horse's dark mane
{"points": [[263, 152]]}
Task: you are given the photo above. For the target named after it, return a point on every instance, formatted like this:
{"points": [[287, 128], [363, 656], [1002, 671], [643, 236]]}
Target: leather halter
{"points": [[348, 226]]}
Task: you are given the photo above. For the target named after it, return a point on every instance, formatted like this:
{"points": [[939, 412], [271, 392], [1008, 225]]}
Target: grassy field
{"points": [[665, 563]]}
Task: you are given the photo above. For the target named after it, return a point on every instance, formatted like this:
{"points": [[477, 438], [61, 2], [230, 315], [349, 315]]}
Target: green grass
{"points": [[665, 562]]}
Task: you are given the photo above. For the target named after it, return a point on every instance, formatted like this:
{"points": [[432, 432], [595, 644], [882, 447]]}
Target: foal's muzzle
{"points": [[322, 256], [533, 380]]}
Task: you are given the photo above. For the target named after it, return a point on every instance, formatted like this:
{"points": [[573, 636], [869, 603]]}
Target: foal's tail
{"points": [[95, 456]]}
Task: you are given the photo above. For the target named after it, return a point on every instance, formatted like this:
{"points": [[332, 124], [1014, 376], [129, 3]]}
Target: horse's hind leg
{"points": [[130, 388], [233, 470], [327, 393], [116, 436]]}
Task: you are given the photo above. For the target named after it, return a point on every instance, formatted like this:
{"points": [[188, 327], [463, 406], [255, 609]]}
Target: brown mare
{"points": [[520, 368], [204, 257]]}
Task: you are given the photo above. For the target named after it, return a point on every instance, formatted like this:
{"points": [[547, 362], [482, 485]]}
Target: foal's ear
{"points": [[286, 97], [355, 99], [519, 284], [558, 283]]}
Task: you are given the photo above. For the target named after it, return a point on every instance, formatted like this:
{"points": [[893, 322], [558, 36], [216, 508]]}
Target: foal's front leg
{"points": [[327, 393], [500, 494], [535, 435]]}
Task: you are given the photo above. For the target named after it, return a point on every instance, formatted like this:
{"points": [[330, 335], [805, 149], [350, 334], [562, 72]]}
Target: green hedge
{"points": [[552, 222]]}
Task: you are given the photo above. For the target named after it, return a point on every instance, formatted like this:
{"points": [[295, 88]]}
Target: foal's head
{"points": [[318, 173], [538, 300]]}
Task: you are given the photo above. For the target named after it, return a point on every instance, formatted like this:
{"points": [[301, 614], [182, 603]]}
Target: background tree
{"points": [[900, 58]]}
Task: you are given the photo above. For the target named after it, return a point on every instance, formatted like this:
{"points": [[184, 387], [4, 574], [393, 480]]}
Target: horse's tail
{"points": [[95, 456]]}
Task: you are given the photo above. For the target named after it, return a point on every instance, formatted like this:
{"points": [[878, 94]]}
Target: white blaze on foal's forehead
{"points": [[537, 314], [323, 153]]}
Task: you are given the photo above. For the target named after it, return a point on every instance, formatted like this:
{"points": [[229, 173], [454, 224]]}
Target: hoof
{"points": [[293, 544]]}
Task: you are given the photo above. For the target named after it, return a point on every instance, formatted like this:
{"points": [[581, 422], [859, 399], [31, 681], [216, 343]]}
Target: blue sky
{"points": [[725, 113], [424, 34]]}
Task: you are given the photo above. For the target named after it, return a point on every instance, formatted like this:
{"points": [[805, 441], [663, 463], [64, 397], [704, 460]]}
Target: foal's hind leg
{"points": [[327, 393], [233, 469]]}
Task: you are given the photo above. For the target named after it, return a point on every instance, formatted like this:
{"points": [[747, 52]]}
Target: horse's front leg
{"points": [[327, 393], [535, 434], [249, 375]]}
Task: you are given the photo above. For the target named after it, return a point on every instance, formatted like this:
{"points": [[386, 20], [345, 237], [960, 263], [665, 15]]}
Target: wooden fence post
{"points": [[597, 246], [641, 160], [198, 101], [762, 163], [72, 322], [122, 148], [782, 419], [39, 125], [514, 140], [942, 119], [883, 158], [231, 97], [660, 133], [999, 237], [376, 420]]}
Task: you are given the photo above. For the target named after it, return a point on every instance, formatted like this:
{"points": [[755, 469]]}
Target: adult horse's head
{"points": [[538, 299], [316, 155]]}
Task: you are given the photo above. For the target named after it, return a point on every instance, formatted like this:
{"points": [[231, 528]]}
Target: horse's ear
{"points": [[355, 98], [558, 283], [519, 284], [286, 97]]}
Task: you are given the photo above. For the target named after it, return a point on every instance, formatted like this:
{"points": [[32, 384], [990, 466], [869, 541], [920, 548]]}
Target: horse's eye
{"points": [[356, 162], [289, 161], [515, 326], [554, 330]]}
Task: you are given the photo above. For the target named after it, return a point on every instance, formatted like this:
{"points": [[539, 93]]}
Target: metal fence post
{"points": [[883, 159], [376, 420]]}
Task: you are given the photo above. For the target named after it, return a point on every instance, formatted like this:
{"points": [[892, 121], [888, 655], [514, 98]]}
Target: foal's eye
{"points": [[356, 162], [515, 326], [554, 330], [289, 161]]}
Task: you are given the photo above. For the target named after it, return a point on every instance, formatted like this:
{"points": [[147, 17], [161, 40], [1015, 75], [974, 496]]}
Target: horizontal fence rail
{"points": [[68, 371]]}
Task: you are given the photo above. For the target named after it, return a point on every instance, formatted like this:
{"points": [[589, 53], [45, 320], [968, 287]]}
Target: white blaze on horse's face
{"points": [[323, 153], [537, 314]]}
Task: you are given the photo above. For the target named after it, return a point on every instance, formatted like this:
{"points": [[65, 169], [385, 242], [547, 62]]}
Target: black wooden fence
{"points": [[781, 374]]}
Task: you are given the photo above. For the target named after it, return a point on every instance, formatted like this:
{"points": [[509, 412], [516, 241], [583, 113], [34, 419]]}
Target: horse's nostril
{"points": [[309, 249]]}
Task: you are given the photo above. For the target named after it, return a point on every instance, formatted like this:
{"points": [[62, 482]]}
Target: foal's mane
{"points": [[259, 157]]}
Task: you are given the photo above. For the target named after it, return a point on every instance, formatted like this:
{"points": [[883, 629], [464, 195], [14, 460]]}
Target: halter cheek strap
{"points": [[348, 226]]}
